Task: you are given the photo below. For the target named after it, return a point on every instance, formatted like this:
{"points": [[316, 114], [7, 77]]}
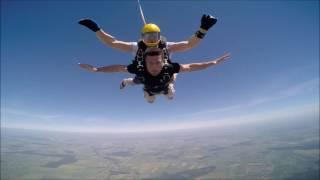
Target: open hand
{"points": [[222, 58], [88, 67]]}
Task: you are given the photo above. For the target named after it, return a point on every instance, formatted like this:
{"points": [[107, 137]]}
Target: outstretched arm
{"points": [[106, 69], [204, 65], [105, 37], [184, 45], [207, 21], [113, 42]]}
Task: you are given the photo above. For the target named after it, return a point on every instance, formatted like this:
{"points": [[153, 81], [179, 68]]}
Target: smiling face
{"points": [[154, 62]]}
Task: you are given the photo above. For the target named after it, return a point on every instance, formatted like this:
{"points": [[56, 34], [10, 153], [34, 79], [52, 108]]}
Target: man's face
{"points": [[154, 64]]}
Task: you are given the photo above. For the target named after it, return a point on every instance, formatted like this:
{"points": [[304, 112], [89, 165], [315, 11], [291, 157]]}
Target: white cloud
{"points": [[281, 114], [291, 91]]}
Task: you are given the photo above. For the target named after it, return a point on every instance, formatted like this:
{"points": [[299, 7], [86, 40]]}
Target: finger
{"points": [[84, 65], [226, 57], [82, 21], [227, 54]]}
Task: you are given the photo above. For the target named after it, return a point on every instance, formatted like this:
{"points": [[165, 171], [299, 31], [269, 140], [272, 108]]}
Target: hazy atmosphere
{"points": [[254, 116]]}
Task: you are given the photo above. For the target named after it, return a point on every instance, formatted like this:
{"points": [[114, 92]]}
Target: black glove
{"points": [[207, 21], [89, 24]]}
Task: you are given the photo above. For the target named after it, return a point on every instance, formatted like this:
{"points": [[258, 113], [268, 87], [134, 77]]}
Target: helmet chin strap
{"points": [[155, 44], [141, 13]]}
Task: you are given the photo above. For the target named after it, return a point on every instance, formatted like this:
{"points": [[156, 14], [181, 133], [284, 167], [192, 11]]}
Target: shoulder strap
{"points": [[141, 45]]}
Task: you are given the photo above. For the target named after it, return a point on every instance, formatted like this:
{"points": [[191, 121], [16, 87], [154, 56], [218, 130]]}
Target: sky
{"points": [[273, 70]]}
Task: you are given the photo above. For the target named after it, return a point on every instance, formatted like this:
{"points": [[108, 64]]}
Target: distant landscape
{"points": [[273, 150]]}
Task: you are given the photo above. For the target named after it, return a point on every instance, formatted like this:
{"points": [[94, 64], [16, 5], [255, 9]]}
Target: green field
{"points": [[273, 150]]}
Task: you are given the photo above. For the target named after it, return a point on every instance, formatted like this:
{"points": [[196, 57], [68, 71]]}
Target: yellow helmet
{"points": [[150, 28], [150, 34]]}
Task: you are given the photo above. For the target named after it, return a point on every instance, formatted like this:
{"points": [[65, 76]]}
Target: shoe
{"points": [[171, 91], [149, 98], [122, 84]]}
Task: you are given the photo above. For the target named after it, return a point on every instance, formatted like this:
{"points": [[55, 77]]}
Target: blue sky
{"points": [[274, 68]]}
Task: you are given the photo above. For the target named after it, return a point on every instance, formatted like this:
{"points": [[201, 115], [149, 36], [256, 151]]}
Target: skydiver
{"points": [[151, 37], [158, 74]]}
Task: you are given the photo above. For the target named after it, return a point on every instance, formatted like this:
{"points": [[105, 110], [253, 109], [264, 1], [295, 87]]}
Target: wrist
{"points": [[200, 34], [203, 30], [213, 62], [97, 29]]}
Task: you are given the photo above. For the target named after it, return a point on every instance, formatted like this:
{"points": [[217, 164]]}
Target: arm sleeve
{"points": [[134, 48], [169, 44], [176, 67], [131, 68]]}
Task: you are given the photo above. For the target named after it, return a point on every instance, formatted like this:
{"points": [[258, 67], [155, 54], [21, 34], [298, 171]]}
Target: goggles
{"points": [[151, 38]]}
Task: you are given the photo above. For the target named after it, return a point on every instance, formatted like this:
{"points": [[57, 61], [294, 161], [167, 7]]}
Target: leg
{"points": [[148, 97], [171, 91], [130, 81], [127, 81], [174, 77]]}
